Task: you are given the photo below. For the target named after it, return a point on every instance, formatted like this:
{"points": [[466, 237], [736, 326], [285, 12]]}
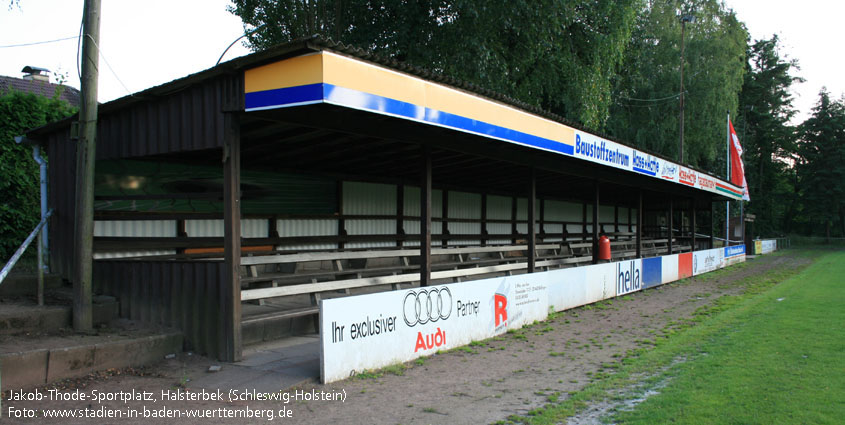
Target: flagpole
{"points": [[728, 166]]}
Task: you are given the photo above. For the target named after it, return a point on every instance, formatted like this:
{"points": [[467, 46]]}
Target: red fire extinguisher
{"points": [[604, 248]]}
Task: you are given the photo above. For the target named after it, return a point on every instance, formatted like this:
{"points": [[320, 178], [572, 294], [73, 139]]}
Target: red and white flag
{"points": [[737, 169]]}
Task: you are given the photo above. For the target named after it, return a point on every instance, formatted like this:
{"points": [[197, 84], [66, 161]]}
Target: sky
{"points": [[148, 43]]}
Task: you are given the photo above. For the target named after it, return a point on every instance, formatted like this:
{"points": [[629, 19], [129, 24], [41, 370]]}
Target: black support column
{"points": [[692, 223], [425, 218], [671, 218], [532, 236], [484, 233], [230, 297], [712, 215], [596, 224], [400, 213], [639, 223]]}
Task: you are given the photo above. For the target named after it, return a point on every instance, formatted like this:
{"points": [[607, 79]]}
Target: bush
{"points": [[19, 189]]}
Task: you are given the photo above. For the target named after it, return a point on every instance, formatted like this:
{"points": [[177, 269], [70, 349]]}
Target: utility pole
{"points": [[684, 20], [85, 156]]}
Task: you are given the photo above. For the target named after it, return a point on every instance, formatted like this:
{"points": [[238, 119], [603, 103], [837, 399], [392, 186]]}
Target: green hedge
{"points": [[19, 191]]}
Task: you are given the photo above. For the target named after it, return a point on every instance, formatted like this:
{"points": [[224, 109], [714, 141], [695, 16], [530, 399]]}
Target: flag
{"points": [[737, 169]]}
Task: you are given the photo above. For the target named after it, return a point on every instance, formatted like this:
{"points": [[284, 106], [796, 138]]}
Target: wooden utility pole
{"points": [[85, 156]]}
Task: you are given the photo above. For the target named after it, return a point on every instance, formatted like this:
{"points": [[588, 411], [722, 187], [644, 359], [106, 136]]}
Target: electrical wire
{"points": [[108, 65], [39, 42], [236, 40], [651, 100], [79, 47]]}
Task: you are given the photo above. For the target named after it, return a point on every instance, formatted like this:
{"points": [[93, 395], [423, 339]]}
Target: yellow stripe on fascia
{"points": [[298, 71], [467, 105], [357, 75]]}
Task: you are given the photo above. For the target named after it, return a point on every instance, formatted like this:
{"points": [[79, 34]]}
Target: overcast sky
{"points": [[150, 42]]}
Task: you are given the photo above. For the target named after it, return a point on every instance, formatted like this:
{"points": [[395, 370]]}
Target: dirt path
{"points": [[482, 383]]}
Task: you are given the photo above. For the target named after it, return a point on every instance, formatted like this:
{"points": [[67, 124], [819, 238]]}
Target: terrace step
{"points": [[27, 361]]}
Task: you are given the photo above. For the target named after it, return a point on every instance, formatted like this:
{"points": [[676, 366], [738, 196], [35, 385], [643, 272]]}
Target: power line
{"points": [[108, 65], [650, 100], [39, 42]]}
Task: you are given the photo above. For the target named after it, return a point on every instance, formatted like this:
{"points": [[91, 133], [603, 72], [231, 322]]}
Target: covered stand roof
{"points": [[320, 107]]}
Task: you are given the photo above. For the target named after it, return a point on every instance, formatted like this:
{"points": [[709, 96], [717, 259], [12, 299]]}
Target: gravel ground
{"points": [[482, 383]]}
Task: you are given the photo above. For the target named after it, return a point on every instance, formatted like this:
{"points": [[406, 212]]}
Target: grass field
{"points": [[773, 356]]}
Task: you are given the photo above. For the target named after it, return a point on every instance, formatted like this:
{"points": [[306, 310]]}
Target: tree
{"points": [[19, 187], [559, 56], [646, 90], [767, 137], [821, 170]]}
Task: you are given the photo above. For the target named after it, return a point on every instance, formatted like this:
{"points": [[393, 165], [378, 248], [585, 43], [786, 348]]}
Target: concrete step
{"points": [[27, 284], [270, 328], [23, 316], [29, 362]]}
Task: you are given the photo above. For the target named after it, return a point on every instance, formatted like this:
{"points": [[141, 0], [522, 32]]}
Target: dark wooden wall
{"points": [[186, 120], [181, 294]]}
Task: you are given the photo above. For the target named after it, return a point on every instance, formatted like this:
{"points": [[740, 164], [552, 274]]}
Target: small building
{"points": [[228, 202], [37, 81]]}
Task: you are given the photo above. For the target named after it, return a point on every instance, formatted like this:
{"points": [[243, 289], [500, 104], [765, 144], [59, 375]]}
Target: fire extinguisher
{"points": [[604, 248]]}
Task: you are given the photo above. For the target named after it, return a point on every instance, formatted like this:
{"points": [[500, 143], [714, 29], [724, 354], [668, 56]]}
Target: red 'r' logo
{"points": [[500, 308]]}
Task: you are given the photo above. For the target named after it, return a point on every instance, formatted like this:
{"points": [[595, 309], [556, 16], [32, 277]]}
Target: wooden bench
{"points": [[467, 262]]}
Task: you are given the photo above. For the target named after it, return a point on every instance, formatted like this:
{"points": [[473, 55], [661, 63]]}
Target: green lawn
{"points": [[775, 355], [777, 358]]}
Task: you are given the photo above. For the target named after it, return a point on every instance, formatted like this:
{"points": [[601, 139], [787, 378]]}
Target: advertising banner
{"points": [[707, 260], [758, 247], [734, 254], [376, 330], [570, 288], [768, 246], [684, 265], [596, 149], [652, 271], [371, 331], [669, 268], [629, 276]]}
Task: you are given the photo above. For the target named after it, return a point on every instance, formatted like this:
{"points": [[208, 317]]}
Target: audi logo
{"points": [[427, 305]]}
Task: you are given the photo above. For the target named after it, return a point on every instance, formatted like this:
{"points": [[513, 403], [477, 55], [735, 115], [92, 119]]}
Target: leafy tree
{"points": [[19, 187], [767, 137], [646, 90], [821, 165], [557, 55]]}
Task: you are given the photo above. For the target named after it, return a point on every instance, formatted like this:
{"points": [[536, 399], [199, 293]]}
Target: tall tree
{"points": [[556, 55], [821, 166], [646, 105], [768, 138]]}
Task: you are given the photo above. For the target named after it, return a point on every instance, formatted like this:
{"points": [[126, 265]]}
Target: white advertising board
{"points": [[769, 246], [376, 330], [601, 151], [707, 260], [628, 276], [669, 268], [570, 288]]}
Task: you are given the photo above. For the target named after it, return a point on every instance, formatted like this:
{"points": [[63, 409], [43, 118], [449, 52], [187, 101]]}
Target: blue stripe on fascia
{"points": [[481, 127], [284, 96], [644, 171], [361, 100], [370, 102], [652, 271]]}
